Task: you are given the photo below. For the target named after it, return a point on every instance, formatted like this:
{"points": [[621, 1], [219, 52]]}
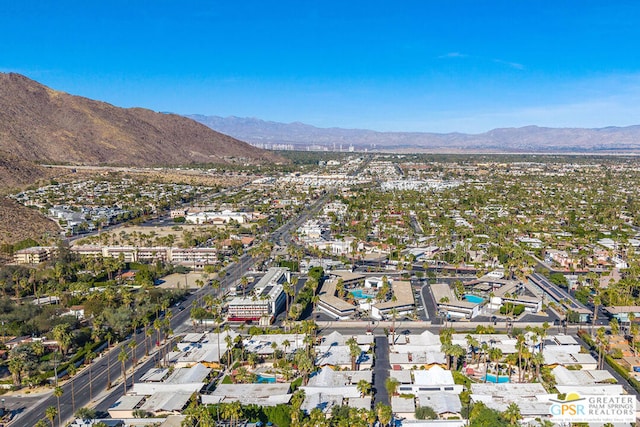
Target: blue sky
{"points": [[411, 65]]}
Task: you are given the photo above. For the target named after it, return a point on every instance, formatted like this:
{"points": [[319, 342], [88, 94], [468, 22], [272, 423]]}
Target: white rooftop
{"points": [[263, 344], [508, 390], [147, 389], [552, 357], [441, 402], [327, 377], [360, 402], [418, 358], [400, 405], [239, 391], [195, 374], [563, 339], [592, 389], [403, 377], [166, 402], [337, 355], [154, 375], [127, 402], [323, 401], [336, 338], [434, 376], [565, 376]]}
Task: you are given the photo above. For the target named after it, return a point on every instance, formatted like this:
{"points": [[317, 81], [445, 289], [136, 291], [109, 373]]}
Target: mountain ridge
{"points": [[41, 124], [531, 138]]}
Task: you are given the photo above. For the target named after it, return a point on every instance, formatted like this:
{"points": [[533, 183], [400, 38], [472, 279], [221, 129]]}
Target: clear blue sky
{"points": [[414, 65]]}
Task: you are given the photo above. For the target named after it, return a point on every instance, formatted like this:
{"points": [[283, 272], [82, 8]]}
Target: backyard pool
{"points": [[500, 379], [359, 294], [473, 298], [263, 379]]}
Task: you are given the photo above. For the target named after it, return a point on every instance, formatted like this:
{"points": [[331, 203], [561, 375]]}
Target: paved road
{"points": [[381, 370]]}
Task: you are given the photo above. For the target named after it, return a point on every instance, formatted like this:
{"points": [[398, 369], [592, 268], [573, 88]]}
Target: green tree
{"points": [[354, 351], [364, 387], [57, 392], [384, 413], [391, 384], [512, 414], [51, 413], [426, 413], [232, 411], [72, 370], [88, 358], [481, 416], [123, 356]]}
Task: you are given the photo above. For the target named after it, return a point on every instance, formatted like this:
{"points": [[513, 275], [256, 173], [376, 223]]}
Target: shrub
{"points": [[426, 413]]}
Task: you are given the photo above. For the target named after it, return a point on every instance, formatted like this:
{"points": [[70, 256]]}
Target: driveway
{"points": [[381, 370]]}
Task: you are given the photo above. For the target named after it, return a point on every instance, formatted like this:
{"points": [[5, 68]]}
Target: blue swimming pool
{"points": [[263, 379], [500, 379], [359, 294], [473, 298]]}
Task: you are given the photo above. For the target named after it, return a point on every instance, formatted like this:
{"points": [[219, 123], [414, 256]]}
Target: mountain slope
{"points": [[40, 124], [524, 139]]}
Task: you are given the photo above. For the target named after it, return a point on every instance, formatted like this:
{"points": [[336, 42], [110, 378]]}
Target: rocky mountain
{"points": [[43, 125], [507, 140]]}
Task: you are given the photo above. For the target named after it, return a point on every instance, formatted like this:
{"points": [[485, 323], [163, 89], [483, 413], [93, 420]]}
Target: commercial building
{"points": [[33, 255], [267, 300]]}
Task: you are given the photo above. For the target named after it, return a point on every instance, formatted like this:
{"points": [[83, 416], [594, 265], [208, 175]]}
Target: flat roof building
{"points": [[267, 300], [403, 302]]}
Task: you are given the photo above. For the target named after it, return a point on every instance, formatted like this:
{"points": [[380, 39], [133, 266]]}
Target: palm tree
{"points": [[512, 414], [384, 413], [88, 357], [40, 423], [472, 344], [57, 392], [602, 343], [457, 352], [495, 355], [364, 387], [148, 333], [51, 413], [123, 356], [133, 344], [72, 370], [371, 417], [63, 337], [305, 365], [229, 342], [317, 418], [354, 351], [232, 411], [520, 347], [391, 384], [394, 316], [16, 365]]}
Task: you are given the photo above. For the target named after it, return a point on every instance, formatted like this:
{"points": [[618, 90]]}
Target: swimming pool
{"points": [[473, 298], [263, 379], [500, 379], [359, 294]]}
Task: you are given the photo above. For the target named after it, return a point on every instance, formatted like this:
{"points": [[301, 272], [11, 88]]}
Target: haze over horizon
{"points": [[459, 66]]}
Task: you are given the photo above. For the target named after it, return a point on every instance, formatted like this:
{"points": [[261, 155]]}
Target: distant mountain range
{"points": [[529, 139]]}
